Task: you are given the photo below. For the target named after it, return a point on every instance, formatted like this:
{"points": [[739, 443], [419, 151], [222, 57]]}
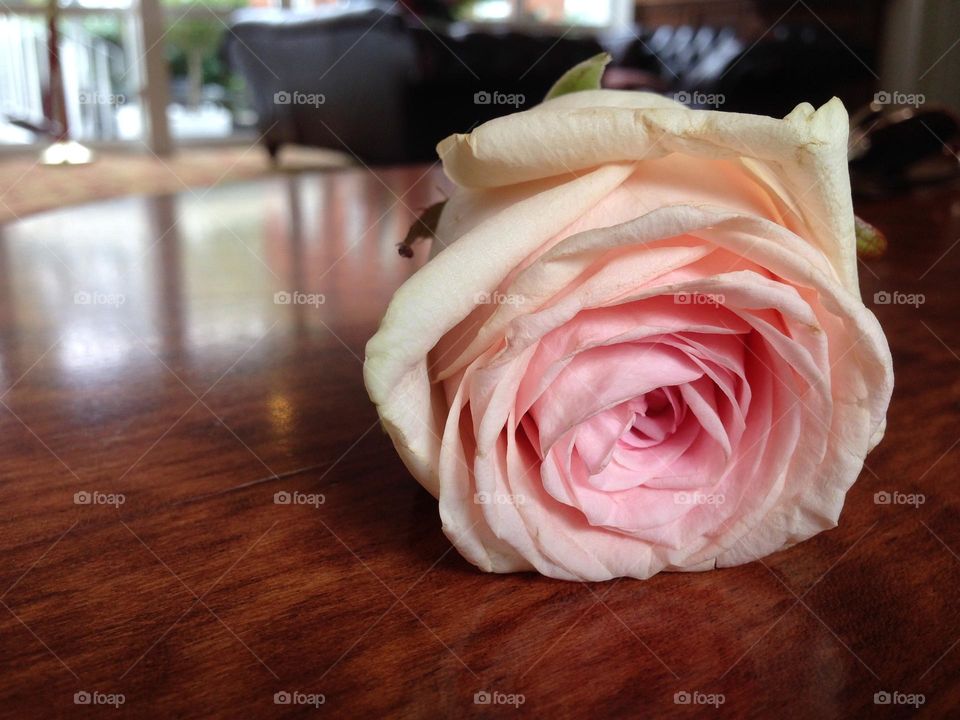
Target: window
{"points": [[207, 100], [104, 54], [596, 13], [98, 59]]}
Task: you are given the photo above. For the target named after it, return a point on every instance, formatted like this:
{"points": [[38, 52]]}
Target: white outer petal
{"points": [[806, 152]]}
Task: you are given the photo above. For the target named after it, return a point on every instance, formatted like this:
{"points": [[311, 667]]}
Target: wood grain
{"points": [[198, 398]]}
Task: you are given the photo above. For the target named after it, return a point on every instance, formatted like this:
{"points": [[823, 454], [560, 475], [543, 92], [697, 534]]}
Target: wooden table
{"points": [[144, 358]]}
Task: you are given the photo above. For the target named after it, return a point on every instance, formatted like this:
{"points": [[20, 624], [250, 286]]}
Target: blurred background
{"points": [[188, 279], [192, 87]]}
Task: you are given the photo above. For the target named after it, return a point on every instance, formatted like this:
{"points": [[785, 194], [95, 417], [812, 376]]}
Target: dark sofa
{"points": [[386, 86], [383, 86]]}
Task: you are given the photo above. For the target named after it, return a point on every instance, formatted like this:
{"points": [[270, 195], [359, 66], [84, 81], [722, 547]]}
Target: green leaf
{"points": [[582, 76], [871, 243]]}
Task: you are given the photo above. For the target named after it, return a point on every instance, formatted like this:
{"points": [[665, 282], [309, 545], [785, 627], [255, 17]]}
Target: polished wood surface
{"points": [[144, 354]]}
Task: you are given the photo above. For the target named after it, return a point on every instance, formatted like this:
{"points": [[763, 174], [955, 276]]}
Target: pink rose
{"points": [[642, 346]]}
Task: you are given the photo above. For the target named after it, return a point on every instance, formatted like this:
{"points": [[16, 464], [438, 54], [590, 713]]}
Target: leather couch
{"points": [[385, 86]]}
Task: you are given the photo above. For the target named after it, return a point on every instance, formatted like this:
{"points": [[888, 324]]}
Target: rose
{"points": [[603, 397]]}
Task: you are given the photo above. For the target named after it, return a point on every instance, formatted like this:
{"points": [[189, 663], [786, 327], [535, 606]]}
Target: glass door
{"points": [[99, 58]]}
